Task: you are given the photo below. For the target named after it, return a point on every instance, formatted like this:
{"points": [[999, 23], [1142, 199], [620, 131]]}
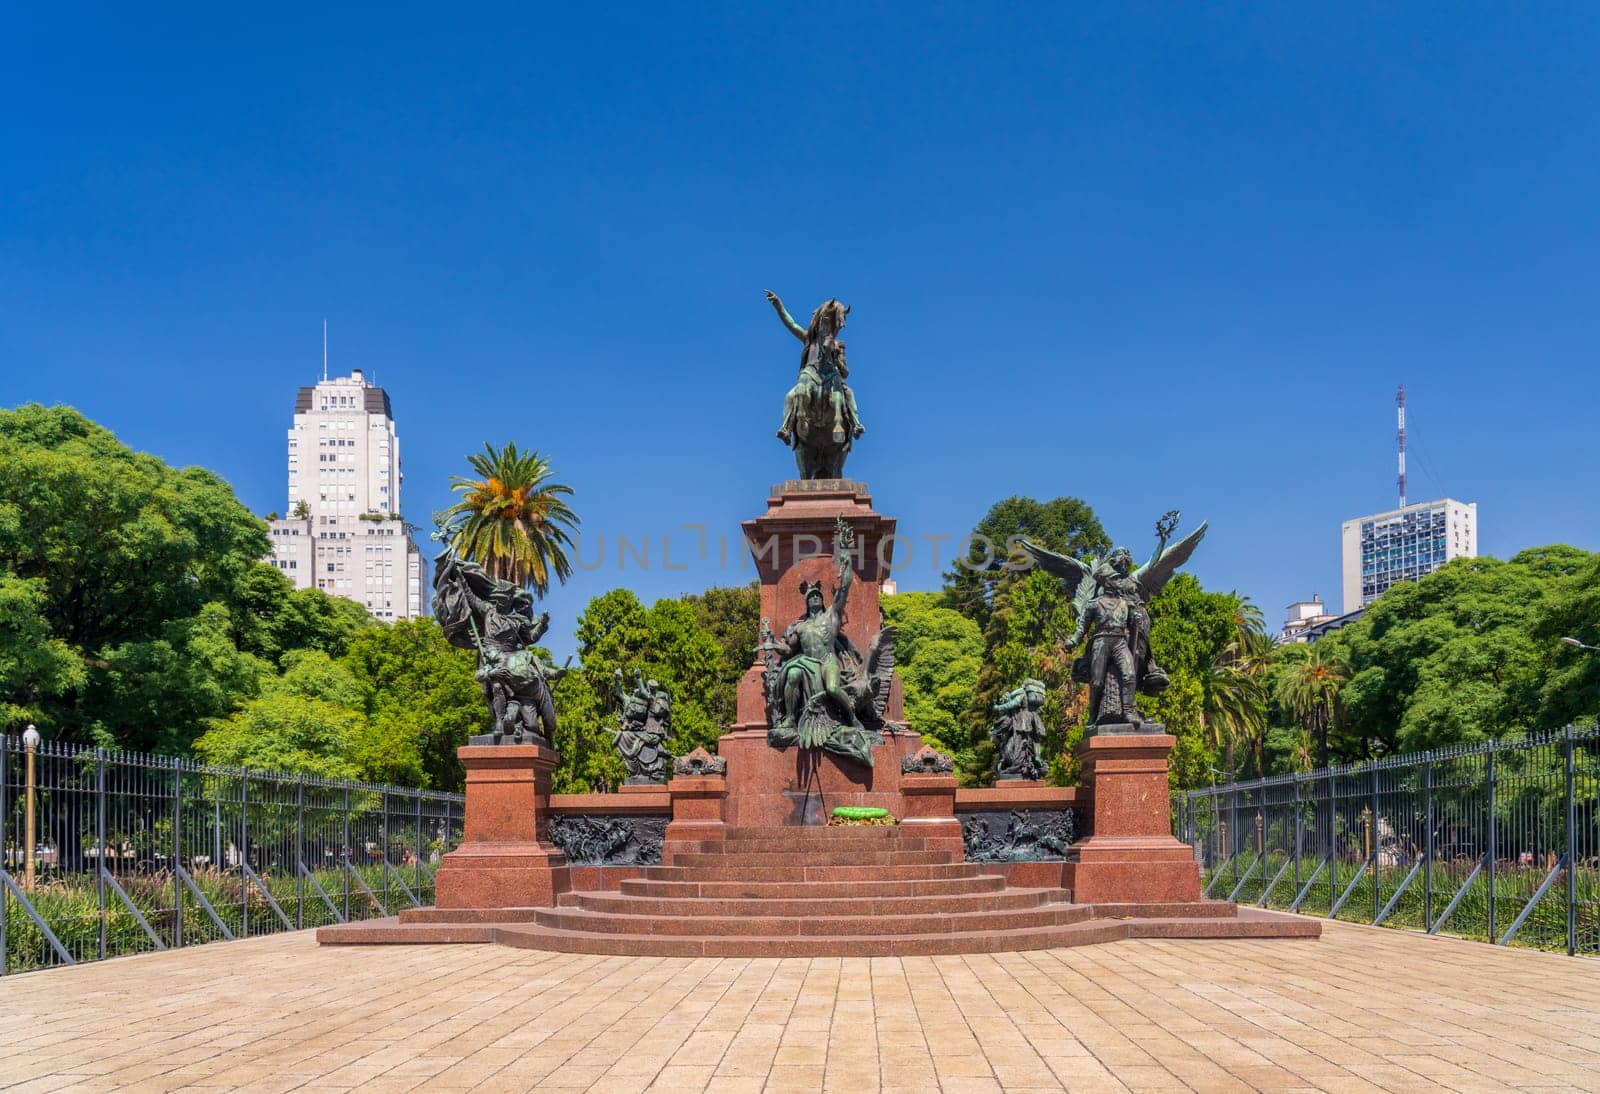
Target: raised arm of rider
{"points": [[788, 320]]}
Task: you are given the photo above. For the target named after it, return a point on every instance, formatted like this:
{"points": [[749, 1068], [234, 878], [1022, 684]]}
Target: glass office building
{"points": [[1404, 545]]}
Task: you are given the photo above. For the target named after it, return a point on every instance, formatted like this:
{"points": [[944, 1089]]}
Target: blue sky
{"points": [[1153, 255]]}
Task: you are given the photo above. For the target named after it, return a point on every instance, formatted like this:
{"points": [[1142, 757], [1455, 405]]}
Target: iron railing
{"points": [[1496, 842], [135, 852]]}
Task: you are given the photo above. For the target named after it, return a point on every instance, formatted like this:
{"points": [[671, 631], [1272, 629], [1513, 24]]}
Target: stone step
{"points": [[810, 906], [1221, 921], [926, 872], [768, 926], [830, 857], [815, 832], [540, 937], [778, 843], [777, 890], [1245, 923]]}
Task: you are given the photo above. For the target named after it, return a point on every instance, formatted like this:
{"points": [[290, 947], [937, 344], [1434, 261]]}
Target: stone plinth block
{"points": [[698, 806], [1132, 857], [771, 787], [505, 859], [793, 542], [929, 811]]}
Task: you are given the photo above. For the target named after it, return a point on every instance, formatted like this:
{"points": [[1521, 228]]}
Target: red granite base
{"points": [[501, 875], [505, 860], [772, 787], [1133, 870], [817, 891]]}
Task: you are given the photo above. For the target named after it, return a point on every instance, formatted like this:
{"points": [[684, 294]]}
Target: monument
{"points": [[1132, 854], [1018, 733], [644, 722], [506, 858], [731, 853]]}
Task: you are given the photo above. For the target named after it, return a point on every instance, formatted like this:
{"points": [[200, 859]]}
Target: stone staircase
{"points": [[817, 892]]}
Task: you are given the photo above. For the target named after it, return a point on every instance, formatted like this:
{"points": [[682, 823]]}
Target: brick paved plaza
{"points": [[1363, 1009]]}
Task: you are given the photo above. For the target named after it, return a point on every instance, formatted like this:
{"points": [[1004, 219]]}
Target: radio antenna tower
{"points": [[325, 369], [1400, 436]]}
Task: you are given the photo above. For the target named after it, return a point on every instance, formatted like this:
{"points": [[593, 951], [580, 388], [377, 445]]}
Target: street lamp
{"points": [[1574, 642], [30, 741]]}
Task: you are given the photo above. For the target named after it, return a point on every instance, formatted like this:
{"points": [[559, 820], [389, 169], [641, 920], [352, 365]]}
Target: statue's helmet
{"points": [[811, 590], [652, 685]]}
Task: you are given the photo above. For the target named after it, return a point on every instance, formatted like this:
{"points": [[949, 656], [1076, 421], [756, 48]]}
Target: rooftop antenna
{"points": [[325, 359], [1400, 410]]}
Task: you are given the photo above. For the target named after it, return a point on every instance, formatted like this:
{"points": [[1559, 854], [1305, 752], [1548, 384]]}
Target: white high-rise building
{"points": [[1405, 544], [342, 532]]}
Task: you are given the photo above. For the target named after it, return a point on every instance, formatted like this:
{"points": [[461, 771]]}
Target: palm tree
{"points": [[1311, 692], [512, 519], [1236, 697], [1236, 701]]}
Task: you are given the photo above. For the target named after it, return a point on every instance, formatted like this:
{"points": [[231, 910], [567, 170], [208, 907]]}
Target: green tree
{"points": [[1190, 632], [1462, 656], [1030, 614], [1236, 693], [307, 720], [938, 655], [417, 690], [126, 554], [271, 617], [1570, 692], [1308, 689], [666, 643], [513, 519], [731, 615], [1061, 524], [34, 665], [312, 719]]}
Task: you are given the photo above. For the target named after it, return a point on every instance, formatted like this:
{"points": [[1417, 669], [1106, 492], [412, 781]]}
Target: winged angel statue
{"points": [[1111, 601]]}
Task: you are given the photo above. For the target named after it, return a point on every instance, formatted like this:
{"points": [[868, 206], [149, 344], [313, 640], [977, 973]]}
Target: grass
{"points": [[71, 906], [1514, 886]]}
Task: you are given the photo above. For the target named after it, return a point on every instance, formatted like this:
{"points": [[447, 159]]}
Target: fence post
{"points": [[177, 853], [1377, 844], [1299, 833], [1427, 854], [416, 857], [383, 839], [344, 852], [1572, 844], [5, 848], [299, 851], [244, 849], [1332, 836], [1233, 833], [100, 842], [1493, 843]]}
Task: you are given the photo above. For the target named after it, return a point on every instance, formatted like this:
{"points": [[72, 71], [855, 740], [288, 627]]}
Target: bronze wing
{"points": [[1152, 578], [1065, 567]]}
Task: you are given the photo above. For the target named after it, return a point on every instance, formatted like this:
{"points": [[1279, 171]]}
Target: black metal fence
{"points": [[1496, 842], [133, 852]]}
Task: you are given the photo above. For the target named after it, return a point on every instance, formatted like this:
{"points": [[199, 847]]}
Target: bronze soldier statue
{"points": [[820, 419], [1111, 601]]}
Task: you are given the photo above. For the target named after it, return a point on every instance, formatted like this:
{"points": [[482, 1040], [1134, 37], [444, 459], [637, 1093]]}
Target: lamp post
{"points": [[1582, 646], [30, 741]]}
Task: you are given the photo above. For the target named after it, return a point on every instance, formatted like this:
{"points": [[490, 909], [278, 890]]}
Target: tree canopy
{"points": [[1467, 654], [134, 606]]}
